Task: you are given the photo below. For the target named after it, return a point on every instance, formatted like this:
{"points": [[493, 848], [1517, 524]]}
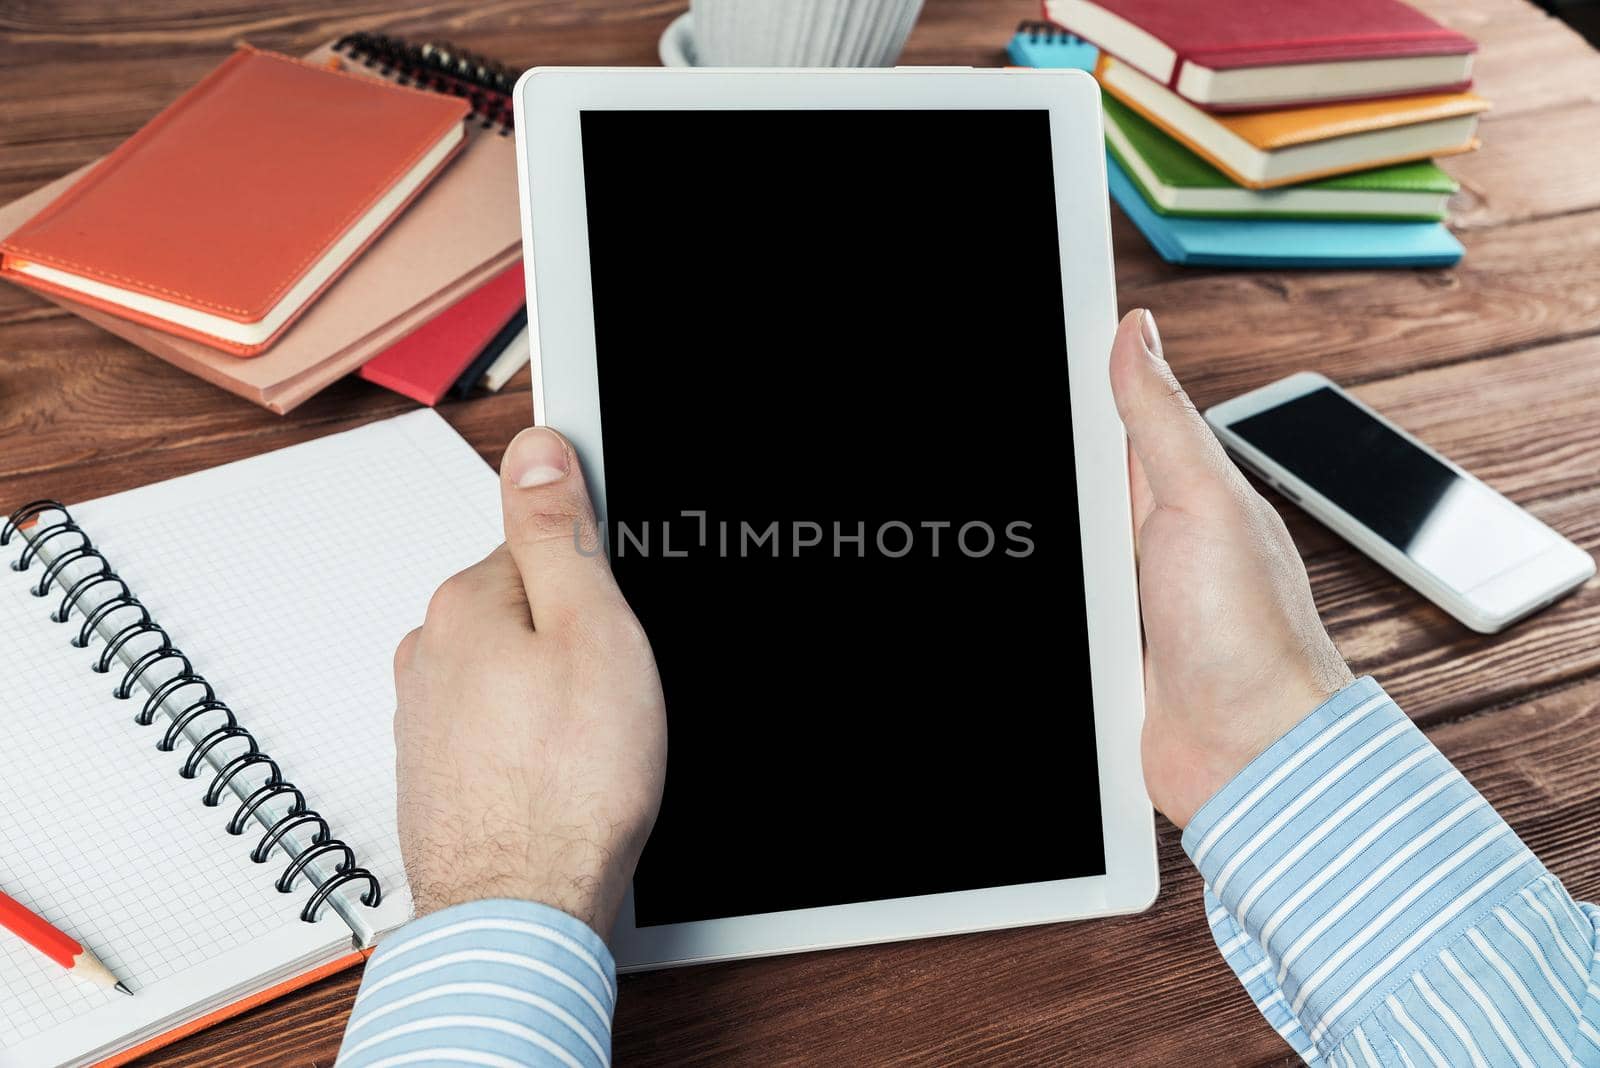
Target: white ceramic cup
{"points": [[801, 33]]}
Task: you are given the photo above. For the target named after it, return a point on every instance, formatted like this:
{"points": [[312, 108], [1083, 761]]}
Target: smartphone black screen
{"points": [[1454, 527]]}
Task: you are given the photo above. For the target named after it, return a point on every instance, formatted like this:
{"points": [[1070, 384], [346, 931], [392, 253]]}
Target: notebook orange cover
{"points": [[237, 1008], [225, 216], [212, 892], [1285, 127]]}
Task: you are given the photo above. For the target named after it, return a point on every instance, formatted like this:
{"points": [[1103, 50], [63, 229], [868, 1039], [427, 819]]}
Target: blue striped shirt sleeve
{"points": [[1380, 912], [494, 983]]}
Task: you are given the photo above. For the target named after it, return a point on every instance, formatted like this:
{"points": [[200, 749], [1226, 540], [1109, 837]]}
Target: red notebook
{"points": [[425, 363], [1240, 55], [232, 210]]}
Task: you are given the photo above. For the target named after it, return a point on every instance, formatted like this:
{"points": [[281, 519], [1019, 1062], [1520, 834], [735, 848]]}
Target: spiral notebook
{"points": [[246, 618]]}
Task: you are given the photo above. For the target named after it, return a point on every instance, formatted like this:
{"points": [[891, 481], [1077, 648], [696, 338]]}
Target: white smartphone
{"points": [[1444, 533]]}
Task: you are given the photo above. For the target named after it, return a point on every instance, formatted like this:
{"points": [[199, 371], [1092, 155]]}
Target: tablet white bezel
{"points": [[548, 103]]}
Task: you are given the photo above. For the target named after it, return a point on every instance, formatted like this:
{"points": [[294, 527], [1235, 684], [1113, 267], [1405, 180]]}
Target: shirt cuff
{"points": [[488, 982], [1345, 858]]}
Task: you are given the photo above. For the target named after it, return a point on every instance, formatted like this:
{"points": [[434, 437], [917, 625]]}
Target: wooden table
{"points": [[1496, 362]]}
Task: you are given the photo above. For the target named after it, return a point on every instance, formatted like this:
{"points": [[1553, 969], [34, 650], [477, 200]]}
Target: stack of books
{"points": [[1281, 133], [287, 222]]}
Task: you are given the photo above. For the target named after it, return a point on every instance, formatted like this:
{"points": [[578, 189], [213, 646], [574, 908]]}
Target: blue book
{"points": [[1202, 242], [1039, 44]]}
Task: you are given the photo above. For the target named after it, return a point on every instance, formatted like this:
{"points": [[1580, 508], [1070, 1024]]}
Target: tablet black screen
{"points": [[836, 339]]}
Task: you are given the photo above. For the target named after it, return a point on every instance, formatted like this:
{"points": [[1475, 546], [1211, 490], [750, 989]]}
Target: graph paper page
{"points": [[100, 836], [287, 579]]}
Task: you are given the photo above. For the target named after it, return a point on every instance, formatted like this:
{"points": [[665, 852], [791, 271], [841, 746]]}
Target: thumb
{"points": [[550, 528], [1180, 456]]}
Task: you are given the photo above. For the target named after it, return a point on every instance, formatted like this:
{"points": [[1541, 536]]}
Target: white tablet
{"points": [[832, 346]]}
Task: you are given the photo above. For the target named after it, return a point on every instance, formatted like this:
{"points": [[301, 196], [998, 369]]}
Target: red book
{"points": [[1240, 55], [426, 362]]}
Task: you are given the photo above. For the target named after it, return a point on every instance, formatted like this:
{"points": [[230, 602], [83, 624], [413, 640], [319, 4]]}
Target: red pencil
{"points": [[59, 947]]}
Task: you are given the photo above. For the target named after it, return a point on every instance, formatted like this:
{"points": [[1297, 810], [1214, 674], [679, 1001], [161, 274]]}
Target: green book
{"points": [[1175, 181]]}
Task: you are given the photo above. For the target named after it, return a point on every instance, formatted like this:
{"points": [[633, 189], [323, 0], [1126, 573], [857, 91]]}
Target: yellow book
{"points": [[1261, 149]]}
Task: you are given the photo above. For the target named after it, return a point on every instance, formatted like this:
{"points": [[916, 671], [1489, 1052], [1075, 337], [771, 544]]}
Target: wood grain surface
{"points": [[1496, 362]]}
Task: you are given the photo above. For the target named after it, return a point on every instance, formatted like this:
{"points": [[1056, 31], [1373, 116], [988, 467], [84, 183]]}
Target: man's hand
{"points": [[1235, 654], [531, 731]]}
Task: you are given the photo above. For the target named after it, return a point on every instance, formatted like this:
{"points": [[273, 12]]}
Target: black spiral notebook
{"points": [[438, 67], [198, 780]]}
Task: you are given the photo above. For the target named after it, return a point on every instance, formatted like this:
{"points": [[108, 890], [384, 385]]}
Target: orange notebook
{"points": [[1262, 149], [227, 214], [218, 825]]}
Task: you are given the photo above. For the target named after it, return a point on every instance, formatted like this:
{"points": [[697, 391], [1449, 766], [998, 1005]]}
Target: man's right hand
{"points": [[1235, 654]]}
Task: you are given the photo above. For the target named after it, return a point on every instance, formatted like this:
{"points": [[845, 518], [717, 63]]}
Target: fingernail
{"points": [[536, 457], [1147, 327]]}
